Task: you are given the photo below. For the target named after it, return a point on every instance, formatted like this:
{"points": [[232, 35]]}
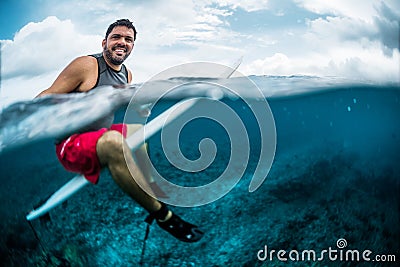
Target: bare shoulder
{"points": [[86, 59], [129, 75], [83, 63], [80, 75], [86, 69]]}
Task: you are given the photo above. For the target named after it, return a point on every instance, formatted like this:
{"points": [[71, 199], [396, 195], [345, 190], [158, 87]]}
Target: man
{"points": [[101, 144]]}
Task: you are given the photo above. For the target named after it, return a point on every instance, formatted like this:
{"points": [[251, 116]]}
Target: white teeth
{"points": [[119, 50]]}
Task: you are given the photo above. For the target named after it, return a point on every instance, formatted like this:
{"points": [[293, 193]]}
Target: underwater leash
{"points": [[44, 250], [149, 220], [161, 213], [146, 236], [44, 217], [155, 215]]}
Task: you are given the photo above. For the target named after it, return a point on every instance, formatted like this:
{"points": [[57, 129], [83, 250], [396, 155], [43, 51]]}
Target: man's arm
{"points": [[79, 75]]}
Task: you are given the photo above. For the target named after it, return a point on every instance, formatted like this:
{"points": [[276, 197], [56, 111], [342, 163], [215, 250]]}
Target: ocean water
{"points": [[333, 186]]}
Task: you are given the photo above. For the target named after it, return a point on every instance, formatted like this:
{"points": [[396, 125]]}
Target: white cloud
{"points": [[369, 64], [45, 46], [350, 62], [358, 48], [24, 88], [248, 5], [387, 24], [383, 28], [352, 44], [337, 28], [358, 9], [38, 52]]}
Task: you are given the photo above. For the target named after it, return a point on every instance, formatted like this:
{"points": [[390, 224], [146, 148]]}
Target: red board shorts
{"points": [[78, 152]]}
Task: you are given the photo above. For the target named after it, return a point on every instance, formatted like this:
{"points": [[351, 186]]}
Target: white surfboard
{"points": [[134, 142]]}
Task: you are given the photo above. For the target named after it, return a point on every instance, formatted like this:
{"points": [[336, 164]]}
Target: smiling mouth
{"points": [[119, 50]]}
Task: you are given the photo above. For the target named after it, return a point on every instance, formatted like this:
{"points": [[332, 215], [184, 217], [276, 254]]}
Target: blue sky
{"points": [[355, 39], [16, 14]]}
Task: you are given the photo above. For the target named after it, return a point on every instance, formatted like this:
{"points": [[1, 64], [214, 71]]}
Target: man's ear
{"points": [[103, 43]]}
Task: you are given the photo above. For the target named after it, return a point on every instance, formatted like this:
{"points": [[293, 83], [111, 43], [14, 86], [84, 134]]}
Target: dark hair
{"points": [[122, 22]]}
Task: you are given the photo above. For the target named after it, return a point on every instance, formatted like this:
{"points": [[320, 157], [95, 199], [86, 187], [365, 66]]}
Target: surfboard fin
{"points": [[44, 218]]}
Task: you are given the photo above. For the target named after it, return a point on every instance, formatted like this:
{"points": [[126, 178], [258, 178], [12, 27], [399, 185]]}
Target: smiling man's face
{"points": [[119, 45]]}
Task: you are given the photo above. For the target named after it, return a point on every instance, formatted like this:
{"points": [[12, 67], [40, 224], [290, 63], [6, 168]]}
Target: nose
{"points": [[121, 41]]}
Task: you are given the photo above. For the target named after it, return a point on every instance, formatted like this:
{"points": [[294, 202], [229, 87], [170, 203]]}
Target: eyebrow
{"points": [[116, 35]]}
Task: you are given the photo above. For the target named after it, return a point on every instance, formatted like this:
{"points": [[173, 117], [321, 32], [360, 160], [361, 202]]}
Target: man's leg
{"points": [[114, 153], [141, 155], [142, 159]]}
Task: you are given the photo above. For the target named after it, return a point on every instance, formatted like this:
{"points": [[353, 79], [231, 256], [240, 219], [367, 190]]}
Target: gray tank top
{"points": [[106, 76]]}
